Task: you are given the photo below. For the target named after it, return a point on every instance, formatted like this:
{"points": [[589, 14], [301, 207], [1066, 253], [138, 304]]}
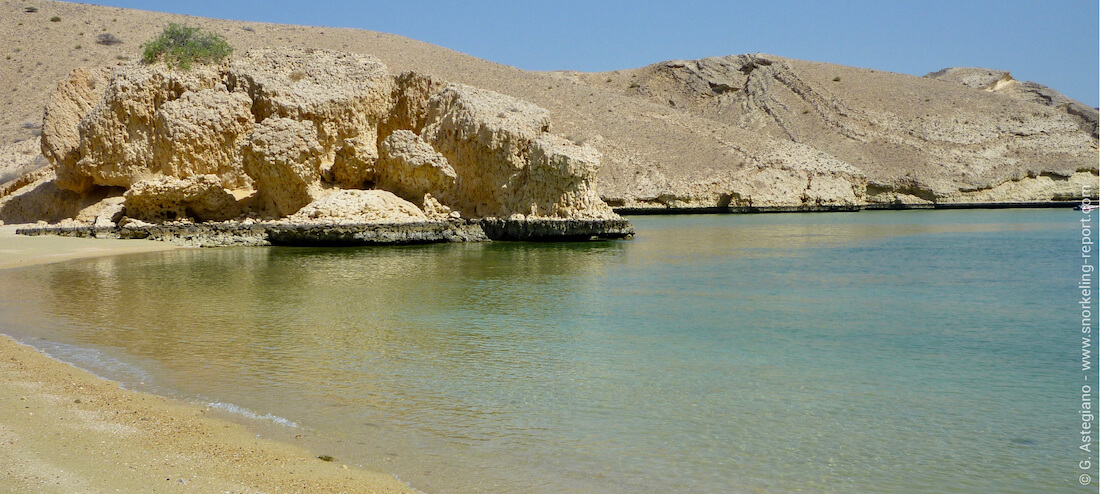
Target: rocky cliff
{"points": [[308, 136], [804, 135]]}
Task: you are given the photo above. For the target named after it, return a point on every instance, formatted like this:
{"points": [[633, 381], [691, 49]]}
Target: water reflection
{"points": [[670, 362]]}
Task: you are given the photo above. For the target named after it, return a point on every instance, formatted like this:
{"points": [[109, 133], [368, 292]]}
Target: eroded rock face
{"points": [[412, 168], [344, 96], [762, 131], [284, 158], [202, 132], [304, 134], [1002, 82], [65, 109], [370, 206], [561, 181], [486, 137], [168, 198], [119, 137]]}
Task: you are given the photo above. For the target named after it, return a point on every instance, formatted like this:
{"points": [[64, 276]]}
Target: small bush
{"points": [[30, 10], [55, 19], [183, 46], [836, 79], [107, 39], [635, 85]]}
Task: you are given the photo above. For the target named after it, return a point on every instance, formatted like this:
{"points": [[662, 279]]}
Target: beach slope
{"points": [[63, 429]]}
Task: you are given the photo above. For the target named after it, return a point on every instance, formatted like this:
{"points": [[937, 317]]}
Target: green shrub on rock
{"points": [[181, 46]]}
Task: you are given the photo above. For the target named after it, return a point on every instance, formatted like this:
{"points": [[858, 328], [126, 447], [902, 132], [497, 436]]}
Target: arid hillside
{"points": [[744, 130]]}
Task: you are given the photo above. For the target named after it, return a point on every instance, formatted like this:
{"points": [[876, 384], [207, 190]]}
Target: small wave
{"points": [[92, 360], [231, 408]]}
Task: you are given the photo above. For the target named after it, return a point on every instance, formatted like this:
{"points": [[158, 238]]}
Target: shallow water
{"points": [[930, 351]]}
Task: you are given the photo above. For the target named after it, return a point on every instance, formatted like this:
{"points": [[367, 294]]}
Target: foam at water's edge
{"points": [[234, 409], [94, 361], [109, 368]]}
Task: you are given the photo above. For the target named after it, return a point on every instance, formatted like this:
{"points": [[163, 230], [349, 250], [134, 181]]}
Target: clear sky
{"points": [[1052, 42]]}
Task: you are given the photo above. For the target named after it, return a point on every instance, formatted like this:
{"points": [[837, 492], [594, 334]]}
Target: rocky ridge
{"points": [[860, 137], [309, 137], [738, 133]]}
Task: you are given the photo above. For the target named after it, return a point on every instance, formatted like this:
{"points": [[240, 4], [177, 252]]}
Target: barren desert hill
{"points": [[744, 130]]}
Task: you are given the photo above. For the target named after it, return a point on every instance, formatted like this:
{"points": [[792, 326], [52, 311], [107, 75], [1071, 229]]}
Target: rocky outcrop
{"points": [[412, 168], [168, 198], [312, 136], [369, 206], [776, 133], [1002, 82], [283, 157], [505, 160]]}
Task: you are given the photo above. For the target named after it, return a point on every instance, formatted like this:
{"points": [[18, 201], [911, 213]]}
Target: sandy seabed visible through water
{"points": [[63, 429]]}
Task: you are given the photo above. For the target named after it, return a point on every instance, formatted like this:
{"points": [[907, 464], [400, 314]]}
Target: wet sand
{"points": [[65, 430], [21, 250]]}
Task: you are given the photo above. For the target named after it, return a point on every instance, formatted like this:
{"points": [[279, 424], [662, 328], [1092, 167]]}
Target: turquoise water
{"points": [[931, 351]]}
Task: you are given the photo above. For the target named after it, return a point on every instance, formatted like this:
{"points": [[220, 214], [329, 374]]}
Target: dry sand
{"points": [[65, 430]]}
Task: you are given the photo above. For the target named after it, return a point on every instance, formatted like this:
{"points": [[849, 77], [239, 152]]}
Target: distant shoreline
{"points": [[845, 209]]}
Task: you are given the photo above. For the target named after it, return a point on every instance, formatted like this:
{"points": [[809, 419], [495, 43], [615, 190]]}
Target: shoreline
{"points": [[65, 429], [659, 210]]}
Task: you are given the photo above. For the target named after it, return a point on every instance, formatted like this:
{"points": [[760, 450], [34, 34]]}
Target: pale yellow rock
{"points": [[561, 181], [485, 136], [168, 198], [411, 94], [353, 165], [410, 167], [1040, 188], [359, 206], [118, 137], [284, 160], [436, 210], [277, 130], [111, 210], [42, 200], [345, 96], [202, 133], [66, 107]]}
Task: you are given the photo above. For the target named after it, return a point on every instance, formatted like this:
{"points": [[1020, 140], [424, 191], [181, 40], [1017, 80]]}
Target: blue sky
{"points": [[1053, 42]]}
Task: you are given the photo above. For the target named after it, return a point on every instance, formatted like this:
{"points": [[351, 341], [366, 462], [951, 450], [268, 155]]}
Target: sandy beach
{"points": [[65, 430]]}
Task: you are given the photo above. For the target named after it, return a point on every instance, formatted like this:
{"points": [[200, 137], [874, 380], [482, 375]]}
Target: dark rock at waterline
{"points": [[231, 233]]}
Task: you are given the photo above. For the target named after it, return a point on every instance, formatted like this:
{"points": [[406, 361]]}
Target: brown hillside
{"points": [[747, 130]]}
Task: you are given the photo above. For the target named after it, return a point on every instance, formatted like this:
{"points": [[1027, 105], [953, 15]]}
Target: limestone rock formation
{"points": [[65, 109], [284, 158], [166, 198], [766, 131], [311, 136], [412, 168], [370, 206], [1002, 82]]}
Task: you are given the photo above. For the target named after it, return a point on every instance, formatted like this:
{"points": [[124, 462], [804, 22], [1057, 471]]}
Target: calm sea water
{"points": [[932, 351]]}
